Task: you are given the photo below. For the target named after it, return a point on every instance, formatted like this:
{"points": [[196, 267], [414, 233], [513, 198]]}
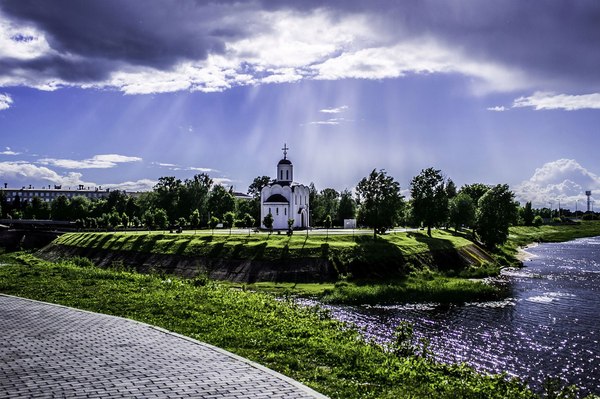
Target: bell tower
{"points": [[285, 169]]}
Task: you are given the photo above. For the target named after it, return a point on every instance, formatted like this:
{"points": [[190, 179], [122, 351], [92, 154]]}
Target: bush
{"points": [[538, 221]]}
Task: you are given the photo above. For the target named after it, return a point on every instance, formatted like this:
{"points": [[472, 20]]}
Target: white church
{"points": [[284, 199]]}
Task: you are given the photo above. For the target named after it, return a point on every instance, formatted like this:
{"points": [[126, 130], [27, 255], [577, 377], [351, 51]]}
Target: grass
{"points": [[303, 343]]}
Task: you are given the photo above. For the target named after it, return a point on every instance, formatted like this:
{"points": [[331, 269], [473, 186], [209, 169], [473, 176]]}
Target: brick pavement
{"points": [[50, 351]]}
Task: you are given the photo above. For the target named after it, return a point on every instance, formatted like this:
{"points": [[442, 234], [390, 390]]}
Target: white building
{"points": [[284, 199]]}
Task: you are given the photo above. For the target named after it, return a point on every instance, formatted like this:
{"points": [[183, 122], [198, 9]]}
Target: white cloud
{"points": [[133, 186], [5, 101], [336, 110], [24, 171], [330, 121], [21, 42], [547, 100], [563, 180], [8, 151], [96, 162], [498, 108]]}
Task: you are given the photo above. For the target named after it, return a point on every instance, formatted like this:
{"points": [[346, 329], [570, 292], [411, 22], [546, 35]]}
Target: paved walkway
{"points": [[50, 351]]}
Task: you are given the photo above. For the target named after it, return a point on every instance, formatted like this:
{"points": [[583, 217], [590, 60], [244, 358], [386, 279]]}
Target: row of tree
{"points": [[378, 203]]}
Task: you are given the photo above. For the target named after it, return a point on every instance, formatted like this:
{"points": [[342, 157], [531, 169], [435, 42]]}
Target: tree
{"points": [[167, 192], [347, 207], [451, 190], [429, 198], [248, 221], [461, 211], [290, 226], [213, 222], [475, 191], [496, 212], [380, 201], [148, 219], [329, 203], [229, 220], [125, 220], [220, 201], [59, 208], [79, 207], [195, 219], [327, 224], [528, 214], [194, 195], [268, 222], [161, 219], [114, 219], [257, 185]]}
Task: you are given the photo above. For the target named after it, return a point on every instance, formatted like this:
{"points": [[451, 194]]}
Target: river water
{"points": [[550, 325]]}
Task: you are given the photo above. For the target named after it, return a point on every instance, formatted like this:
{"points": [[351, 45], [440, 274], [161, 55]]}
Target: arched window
{"points": [[281, 173], [285, 211], [277, 211], [287, 175]]}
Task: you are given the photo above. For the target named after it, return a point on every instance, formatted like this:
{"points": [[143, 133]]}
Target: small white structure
{"points": [[349, 223], [284, 199]]}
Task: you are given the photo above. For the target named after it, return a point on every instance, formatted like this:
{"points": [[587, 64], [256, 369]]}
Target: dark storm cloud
{"points": [[554, 42], [151, 33]]}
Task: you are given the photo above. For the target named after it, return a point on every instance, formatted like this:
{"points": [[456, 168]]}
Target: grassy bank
{"points": [[521, 236], [301, 343]]}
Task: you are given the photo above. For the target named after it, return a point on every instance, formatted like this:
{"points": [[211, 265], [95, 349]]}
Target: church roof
{"points": [[285, 161], [276, 198]]}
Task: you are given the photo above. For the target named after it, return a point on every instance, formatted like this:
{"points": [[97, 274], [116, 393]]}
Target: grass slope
{"points": [[304, 344]]}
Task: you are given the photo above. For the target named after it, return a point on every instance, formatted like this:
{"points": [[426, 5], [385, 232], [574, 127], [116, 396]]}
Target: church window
{"points": [[281, 173], [287, 175], [277, 211], [285, 211], [270, 211]]}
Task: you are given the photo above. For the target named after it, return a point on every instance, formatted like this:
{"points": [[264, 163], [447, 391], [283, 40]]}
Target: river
{"points": [[550, 325]]}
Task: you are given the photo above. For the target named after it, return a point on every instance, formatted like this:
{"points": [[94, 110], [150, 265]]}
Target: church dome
{"points": [[285, 162]]}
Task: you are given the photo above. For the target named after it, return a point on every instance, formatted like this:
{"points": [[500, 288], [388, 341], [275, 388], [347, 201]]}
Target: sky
{"points": [[117, 93]]}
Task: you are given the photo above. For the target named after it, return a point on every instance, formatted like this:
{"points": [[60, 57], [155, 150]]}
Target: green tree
{"points": [[161, 219], [248, 221], [220, 201], [148, 219], [195, 219], [495, 213], [125, 220], [37, 209], [329, 201], [347, 207], [290, 223], [268, 222], [114, 219], [194, 195], [451, 190], [59, 208], [327, 225], [461, 211], [380, 201], [213, 222], [475, 191], [429, 198], [528, 214], [79, 207], [229, 220], [167, 191]]}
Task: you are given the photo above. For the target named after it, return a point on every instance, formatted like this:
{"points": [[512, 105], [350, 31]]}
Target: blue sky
{"points": [[119, 93]]}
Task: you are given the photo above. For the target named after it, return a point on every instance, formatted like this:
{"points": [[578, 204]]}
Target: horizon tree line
{"points": [[378, 204]]}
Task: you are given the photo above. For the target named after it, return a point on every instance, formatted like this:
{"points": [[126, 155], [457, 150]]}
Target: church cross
{"points": [[285, 150]]}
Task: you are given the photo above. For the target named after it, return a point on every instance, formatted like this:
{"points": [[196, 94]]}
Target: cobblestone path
{"points": [[50, 351]]}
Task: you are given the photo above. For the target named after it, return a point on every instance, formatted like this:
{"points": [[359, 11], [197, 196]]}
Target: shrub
{"points": [[538, 221]]}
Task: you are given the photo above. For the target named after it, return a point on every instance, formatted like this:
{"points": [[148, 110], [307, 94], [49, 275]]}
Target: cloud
{"points": [[173, 166], [8, 151], [563, 180], [24, 171], [133, 186], [214, 46], [5, 101], [96, 162], [330, 121], [545, 101], [498, 108], [336, 110]]}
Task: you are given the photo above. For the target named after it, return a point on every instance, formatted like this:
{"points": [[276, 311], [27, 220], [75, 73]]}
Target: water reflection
{"points": [[550, 325]]}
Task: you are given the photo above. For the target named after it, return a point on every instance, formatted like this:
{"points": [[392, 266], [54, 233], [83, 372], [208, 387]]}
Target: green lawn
{"points": [[302, 343]]}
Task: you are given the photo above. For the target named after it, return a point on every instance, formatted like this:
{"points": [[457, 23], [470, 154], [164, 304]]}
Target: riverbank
{"points": [[302, 343]]}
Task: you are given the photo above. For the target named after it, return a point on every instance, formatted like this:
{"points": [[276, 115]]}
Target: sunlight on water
{"points": [[550, 325]]}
